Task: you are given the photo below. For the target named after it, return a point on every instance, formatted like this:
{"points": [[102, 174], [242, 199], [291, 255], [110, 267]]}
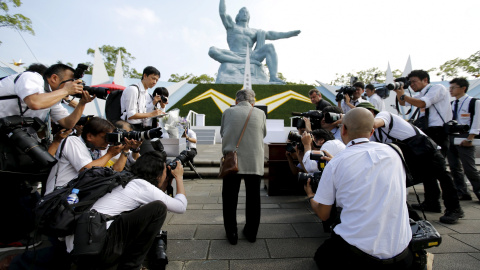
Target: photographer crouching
{"points": [[140, 210], [367, 180]]}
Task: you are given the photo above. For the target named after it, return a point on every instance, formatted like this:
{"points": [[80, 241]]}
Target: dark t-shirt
{"points": [[322, 104]]}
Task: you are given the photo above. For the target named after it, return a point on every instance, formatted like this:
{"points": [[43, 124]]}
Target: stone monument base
{"points": [[230, 73]]}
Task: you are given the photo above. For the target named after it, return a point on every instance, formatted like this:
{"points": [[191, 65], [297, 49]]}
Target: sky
{"points": [[337, 36]]}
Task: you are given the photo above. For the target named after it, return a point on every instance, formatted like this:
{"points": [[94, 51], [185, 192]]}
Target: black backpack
{"points": [[55, 217], [113, 108]]}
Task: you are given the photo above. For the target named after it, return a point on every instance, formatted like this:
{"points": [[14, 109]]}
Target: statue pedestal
{"points": [[230, 73]]}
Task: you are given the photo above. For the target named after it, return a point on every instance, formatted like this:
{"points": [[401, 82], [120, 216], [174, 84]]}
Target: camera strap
{"points": [[408, 174], [59, 156]]}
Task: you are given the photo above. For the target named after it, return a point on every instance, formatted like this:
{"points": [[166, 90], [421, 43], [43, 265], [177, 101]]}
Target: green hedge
{"points": [[213, 115]]}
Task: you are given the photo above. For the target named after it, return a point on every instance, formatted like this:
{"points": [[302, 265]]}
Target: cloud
{"points": [[136, 20]]}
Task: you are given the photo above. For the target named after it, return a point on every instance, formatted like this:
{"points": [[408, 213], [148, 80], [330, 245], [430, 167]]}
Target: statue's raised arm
{"points": [[272, 35], [226, 19]]}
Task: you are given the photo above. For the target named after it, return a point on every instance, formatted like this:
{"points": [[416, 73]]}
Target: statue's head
{"points": [[243, 15]]}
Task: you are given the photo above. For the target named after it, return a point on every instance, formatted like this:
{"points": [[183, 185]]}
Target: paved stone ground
{"points": [[289, 232]]}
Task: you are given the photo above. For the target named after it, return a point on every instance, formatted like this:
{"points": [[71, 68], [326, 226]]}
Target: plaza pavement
{"points": [[289, 232]]}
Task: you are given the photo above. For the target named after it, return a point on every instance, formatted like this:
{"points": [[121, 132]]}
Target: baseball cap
{"points": [[367, 105]]}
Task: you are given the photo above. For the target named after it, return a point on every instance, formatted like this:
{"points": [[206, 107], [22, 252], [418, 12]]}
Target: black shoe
{"points": [[427, 207], [250, 238], [465, 197], [232, 238], [452, 216]]}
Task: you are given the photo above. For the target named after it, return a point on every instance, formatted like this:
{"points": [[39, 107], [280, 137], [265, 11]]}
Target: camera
{"points": [[331, 117], [345, 90], [99, 92], [12, 127], [399, 83], [157, 255], [295, 140], [184, 157], [317, 155], [314, 179], [452, 127], [315, 117], [163, 98], [118, 137]]}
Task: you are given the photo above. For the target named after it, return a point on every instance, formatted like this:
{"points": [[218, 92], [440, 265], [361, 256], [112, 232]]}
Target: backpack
{"points": [[113, 107], [55, 217]]}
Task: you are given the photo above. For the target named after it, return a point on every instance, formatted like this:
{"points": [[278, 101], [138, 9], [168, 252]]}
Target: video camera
{"points": [[12, 127], [315, 117], [382, 91], [99, 92], [452, 127], [343, 91], [118, 136]]}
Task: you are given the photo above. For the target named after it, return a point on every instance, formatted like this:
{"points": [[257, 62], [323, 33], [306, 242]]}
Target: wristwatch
{"points": [[137, 150], [402, 97], [310, 198], [125, 153], [469, 140]]}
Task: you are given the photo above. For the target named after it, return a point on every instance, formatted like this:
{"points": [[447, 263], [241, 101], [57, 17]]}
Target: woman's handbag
{"points": [[229, 161]]}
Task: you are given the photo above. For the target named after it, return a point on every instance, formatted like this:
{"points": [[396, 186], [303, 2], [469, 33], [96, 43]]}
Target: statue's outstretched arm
{"points": [[226, 19], [272, 35]]}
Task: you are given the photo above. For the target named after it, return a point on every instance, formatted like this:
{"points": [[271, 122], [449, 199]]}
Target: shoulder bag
{"points": [[229, 161]]}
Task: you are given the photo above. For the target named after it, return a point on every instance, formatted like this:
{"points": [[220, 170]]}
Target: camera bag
{"points": [[229, 161], [55, 217]]}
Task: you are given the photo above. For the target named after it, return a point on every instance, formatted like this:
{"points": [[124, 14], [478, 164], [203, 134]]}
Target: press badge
{"points": [[465, 115]]}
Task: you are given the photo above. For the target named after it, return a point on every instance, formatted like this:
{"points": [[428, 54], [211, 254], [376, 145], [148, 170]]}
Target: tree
{"points": [[16, 21], [470, 65], [202, 79], [371, 75], [110, 54]]}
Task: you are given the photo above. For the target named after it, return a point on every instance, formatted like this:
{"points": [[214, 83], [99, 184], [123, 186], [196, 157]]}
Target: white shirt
{"points": [[346, 108], [368, 181], [333, 147], [437, 100], [75, 156], [150, 108], [28, 83], [463, 115], [133, 101], [337, 133], [401, 129], [192, 135], [136, 193], [377, 101]]}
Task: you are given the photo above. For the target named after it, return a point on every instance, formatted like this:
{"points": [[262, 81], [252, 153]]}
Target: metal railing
{"points": [[192, 118]]}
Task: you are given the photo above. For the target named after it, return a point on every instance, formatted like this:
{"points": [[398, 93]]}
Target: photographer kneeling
{"points": [[88, 150], [140, 210], [367, 180], [322, 140]]}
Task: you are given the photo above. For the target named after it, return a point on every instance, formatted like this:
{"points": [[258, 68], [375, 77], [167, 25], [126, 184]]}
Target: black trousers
{"points": [[230, 189], [336, 253], [130, 237], [432, 168], [440, 137]]}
